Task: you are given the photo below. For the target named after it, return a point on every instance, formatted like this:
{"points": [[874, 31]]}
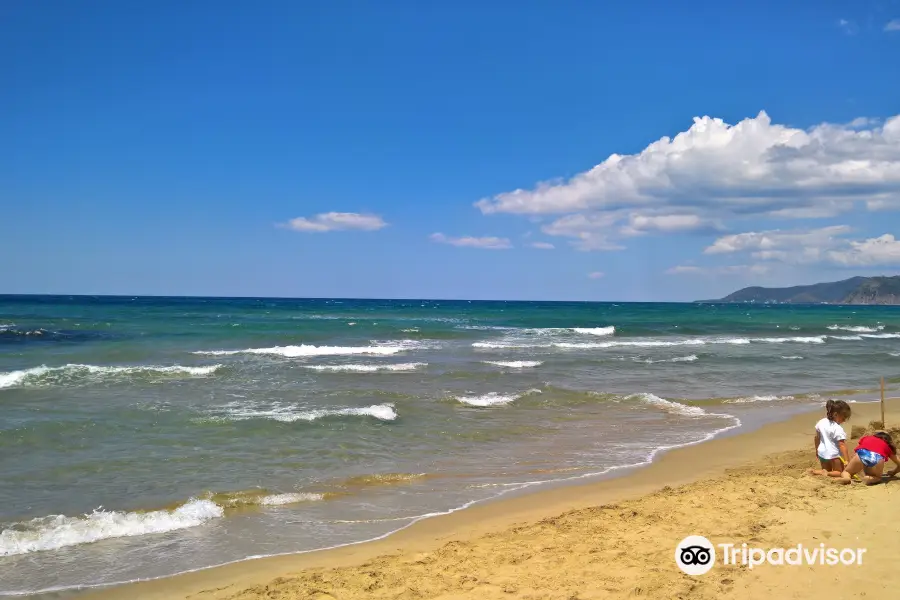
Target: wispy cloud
{"points": [[717, 271], [892, 25], [848, 27], [542, 245], [335, 221], [485, 243], [596, 275]]}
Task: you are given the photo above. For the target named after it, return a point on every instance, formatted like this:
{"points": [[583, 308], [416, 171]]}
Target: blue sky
{"points": [[363, 149]]}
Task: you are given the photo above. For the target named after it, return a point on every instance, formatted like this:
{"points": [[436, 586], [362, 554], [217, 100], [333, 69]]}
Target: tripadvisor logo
{"points": [[696, 555]]}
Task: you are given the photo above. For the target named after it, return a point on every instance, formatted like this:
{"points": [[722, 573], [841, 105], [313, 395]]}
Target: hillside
{"points": [[856, 290]]}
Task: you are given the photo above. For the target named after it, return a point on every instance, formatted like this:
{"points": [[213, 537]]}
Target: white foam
{"points": [[815, 339], [290, 414], [677, 359], [792, 357], [44, 374], [290, 498], [672, 407], [846, 337], [489, 399], [881, 335], [757, 399], [14, 378], [515, 364], [59, 531], [502, 346], [856, 328], [635, 343], [366, 368], [494, 399], [309, 350], [595, 330]]}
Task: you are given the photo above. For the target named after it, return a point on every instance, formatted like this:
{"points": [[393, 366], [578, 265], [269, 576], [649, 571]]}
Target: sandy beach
{"points": [[608, 539]]}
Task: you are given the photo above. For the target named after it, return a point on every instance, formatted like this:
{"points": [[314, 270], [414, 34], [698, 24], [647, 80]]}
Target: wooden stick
{"points": [[883, 424]]}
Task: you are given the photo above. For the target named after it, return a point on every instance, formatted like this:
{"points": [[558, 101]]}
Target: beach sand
{"points": [[609, 539]]}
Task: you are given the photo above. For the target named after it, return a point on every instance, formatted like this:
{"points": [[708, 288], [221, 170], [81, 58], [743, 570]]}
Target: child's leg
{"points": [[830, 468], [873, 474], [835, 468], [853, 467]]}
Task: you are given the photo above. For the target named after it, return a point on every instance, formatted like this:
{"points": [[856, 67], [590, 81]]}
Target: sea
{"points": [[142, 437]]}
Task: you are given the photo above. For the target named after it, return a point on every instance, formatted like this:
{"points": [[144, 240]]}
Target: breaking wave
{"points": [[308, 350], [673, 407], [677, 359], [59, 531], [366, 368], [749, 399], [856, 328], [595, 330], [493, 398], [654, 343], [290, 414], [74, 374], [514, 364]]}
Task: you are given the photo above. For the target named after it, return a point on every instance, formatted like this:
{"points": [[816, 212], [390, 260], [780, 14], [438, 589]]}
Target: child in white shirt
{"points": [[831, 441]]}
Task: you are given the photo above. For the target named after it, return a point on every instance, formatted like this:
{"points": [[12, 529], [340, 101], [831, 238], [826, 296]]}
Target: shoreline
{"points": [[674, 467]]}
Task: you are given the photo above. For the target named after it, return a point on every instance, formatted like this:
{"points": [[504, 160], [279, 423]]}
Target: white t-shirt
{"points": [[830, 433]]}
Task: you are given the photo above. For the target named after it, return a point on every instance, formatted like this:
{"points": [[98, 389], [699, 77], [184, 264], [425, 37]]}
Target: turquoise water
{"points": [[141, 437]]}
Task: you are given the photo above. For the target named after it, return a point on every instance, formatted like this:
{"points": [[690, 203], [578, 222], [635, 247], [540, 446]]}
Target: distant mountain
{"points": [[856, 290]]}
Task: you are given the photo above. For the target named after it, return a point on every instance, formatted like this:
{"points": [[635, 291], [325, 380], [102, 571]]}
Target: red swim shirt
{"points": [[874, 444]]}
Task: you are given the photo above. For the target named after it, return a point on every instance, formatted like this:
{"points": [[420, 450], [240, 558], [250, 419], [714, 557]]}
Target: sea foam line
{"points": [[45, 374], [309, 350], [856, 328], [366, 368], [515, 364], [677, 359], [674, 407], [651, 343], [751, 399], [290, 414]]}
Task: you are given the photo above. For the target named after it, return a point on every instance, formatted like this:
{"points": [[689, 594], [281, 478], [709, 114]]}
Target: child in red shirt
{"points": [[871, 454]]}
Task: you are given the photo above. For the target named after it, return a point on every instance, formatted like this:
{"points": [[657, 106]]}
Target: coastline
{"points": [[677, 467]]}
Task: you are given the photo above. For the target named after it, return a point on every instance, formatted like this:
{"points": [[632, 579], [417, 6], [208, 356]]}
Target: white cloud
{"points": [[485, 243], [884, 250], [775, 240], [726, 270], [639, 224], [595, 275], [591, 231], [542, 245], [892, 25], [715, 171], [827, 245], [336, 221]]}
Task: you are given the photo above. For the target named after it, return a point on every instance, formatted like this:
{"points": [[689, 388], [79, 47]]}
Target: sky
{"points": [[630, 151]]}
